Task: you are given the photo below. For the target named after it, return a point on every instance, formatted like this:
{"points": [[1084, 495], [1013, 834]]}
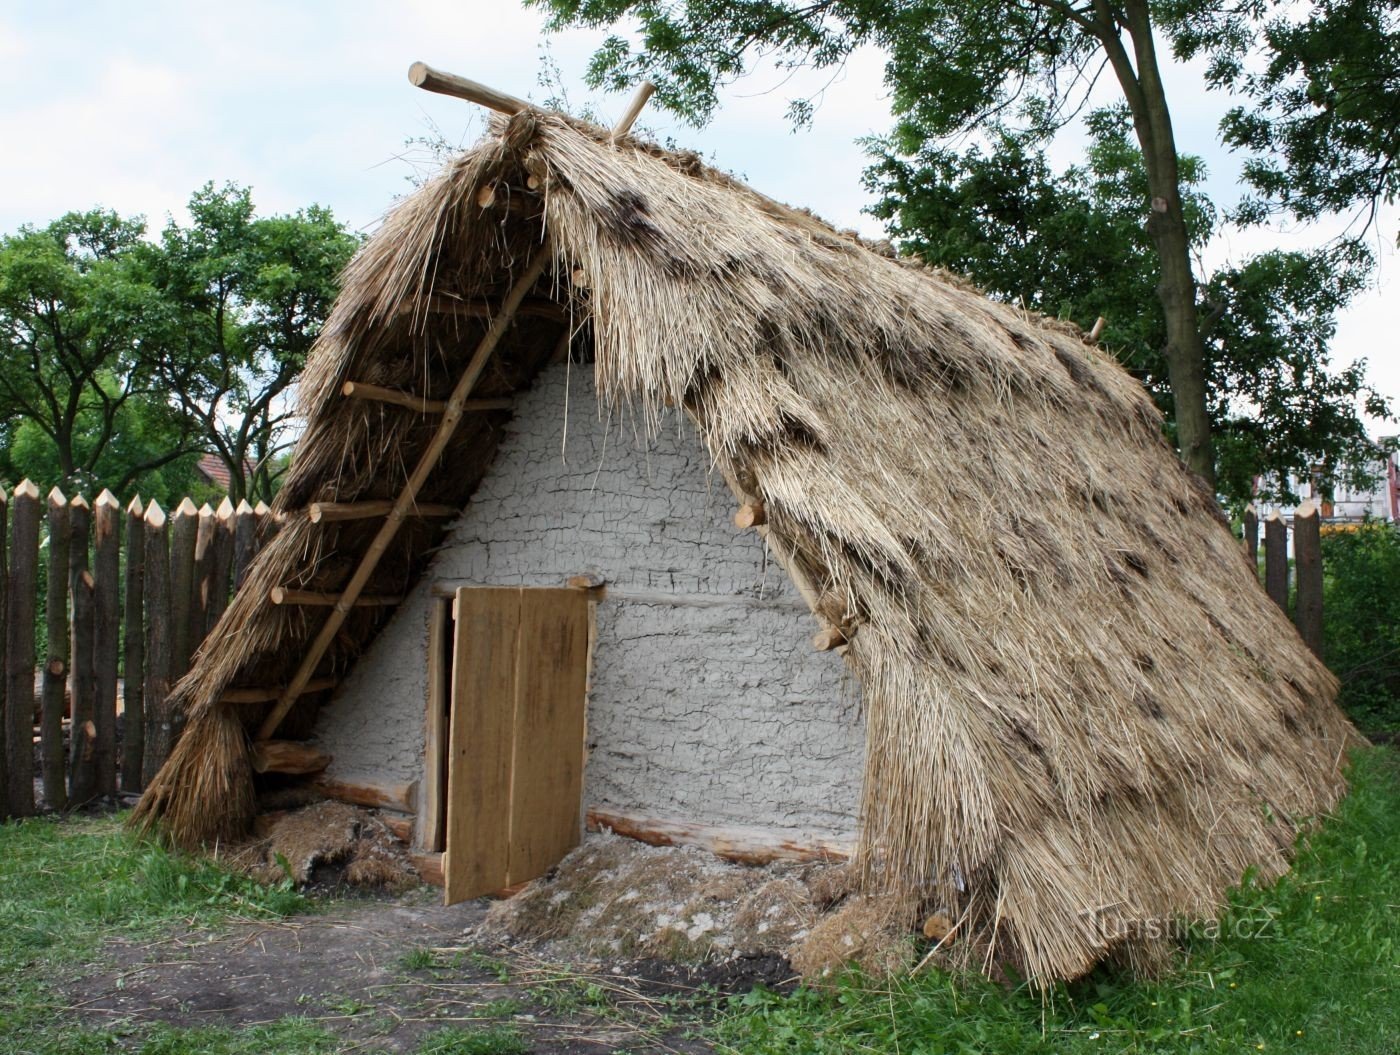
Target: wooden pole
{"points": [[404, 504], [421, 404], [634, 109], [134, 654], [310, 599], [159, 727], [4, 633], [184, 536], [82, 776], [1276, 559], [245, 541], [25, 514], [1307, 554], [106, 643], [421, 75], [206, 530], [1251, 536], [55, 656], [220, 566]]}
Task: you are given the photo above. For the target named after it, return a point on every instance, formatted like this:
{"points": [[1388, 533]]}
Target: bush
{"points": [[1361, 620]]}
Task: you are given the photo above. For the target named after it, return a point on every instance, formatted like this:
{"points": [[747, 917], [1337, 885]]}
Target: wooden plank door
{"points": [[515, 763]]}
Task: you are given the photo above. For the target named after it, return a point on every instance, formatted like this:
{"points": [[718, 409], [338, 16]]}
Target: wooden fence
{"points": [[1303, 581], [127, 598]]}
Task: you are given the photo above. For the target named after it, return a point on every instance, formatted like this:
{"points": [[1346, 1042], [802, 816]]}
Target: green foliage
{"points": [[495, 1040], [1361, 624], [1073, 245], [1324, 124], [1305, 966]]}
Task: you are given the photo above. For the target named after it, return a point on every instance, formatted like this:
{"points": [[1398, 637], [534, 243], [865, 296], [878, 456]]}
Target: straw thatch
{"points": [[1083, 716]]}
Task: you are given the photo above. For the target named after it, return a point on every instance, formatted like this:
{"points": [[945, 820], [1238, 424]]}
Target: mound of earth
{"points": [[327, 844], [614, 899]]}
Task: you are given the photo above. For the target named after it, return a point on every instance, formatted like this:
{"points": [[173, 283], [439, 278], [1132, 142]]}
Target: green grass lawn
{"points": [[1310, 965]]}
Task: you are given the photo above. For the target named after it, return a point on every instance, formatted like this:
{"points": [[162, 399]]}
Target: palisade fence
{"points": [[101, 611], [1302, 579]]}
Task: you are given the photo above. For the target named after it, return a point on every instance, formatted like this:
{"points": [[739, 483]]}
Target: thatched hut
{"points": [[1079, 715]]}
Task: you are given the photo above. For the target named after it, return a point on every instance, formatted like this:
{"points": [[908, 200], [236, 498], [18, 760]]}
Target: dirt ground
{"points": [[382, 973]]}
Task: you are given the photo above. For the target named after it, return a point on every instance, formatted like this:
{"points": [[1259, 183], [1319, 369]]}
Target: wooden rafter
{"points": [[422, 404], [320, 512], [403, 506], [312, 599]]}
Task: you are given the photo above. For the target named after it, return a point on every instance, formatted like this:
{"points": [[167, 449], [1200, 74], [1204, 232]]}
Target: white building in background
{"points": [[1380, 502]]}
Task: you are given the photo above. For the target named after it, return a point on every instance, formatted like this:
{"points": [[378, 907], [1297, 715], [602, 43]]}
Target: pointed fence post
{"points": [[55, 657], [158, 638], [184, 613], [206, 531], [268, 526], [25, 514], [220, 566], [1307, 555], [245, 541], [1276, 559], [133, 650], [4, 632], [1251, 536], [106, 638], [82, 731]]}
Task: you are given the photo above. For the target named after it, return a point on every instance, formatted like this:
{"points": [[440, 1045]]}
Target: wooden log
{"points": [[831, 637], [159, 636], [751, 514], [82, 772], [1250, 527], [134, 651], [421, 75], [287, 756], [244, 696], [245, 541], [106, 638], [403, 506], [220, 566], [55, 656], [400, 797], [431, 819], [634, 109], [323, 512], [185, 612], [1276, 559], [1097, 331], [429, 866], [25, 515], [1307, 555], [312, 599], [755, 846], [589, 580], [206, 527], [4, 633], [418, 404], [399, 825]]}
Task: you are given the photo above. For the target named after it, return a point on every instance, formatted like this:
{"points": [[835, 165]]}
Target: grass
{"points": [[67, 886], [1307, 966]]}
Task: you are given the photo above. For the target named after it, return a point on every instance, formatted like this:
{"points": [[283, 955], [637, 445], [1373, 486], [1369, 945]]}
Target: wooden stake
{"points": [[245, 541], [106, 637], [56, 656], [159, 721], [634, 109], [751, 514], [4, 633], [1307, 552], [184, 537], [327, 511], [134, 654], [1251, 536], [82, 778], [1276, 559], [404, 504], [25, 515], [311, 599], [216, 587], [421, 75]]}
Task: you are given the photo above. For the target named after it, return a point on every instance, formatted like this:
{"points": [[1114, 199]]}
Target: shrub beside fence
{"points": [[127, 598]]}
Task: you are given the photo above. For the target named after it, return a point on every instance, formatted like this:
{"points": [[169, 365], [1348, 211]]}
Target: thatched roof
{"points": [[1082, 711]]}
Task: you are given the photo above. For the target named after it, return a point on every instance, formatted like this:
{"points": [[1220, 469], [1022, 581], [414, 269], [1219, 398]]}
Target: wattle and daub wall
{"points": [[707, 703]]}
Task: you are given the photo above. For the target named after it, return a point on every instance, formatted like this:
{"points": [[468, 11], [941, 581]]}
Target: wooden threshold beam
{"points": [[403, 506], [320, 512], [312, 599], [423, 405], [268, 695], [754, 846]]}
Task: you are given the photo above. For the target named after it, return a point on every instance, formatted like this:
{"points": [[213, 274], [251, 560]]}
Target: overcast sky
{"points": [[133, 106]]}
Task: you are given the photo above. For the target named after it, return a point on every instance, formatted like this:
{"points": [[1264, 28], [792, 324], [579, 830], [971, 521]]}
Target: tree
{"points": [[1072, 245], [1324, 124], [953, 67], [246, 297], [78, 388]]}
